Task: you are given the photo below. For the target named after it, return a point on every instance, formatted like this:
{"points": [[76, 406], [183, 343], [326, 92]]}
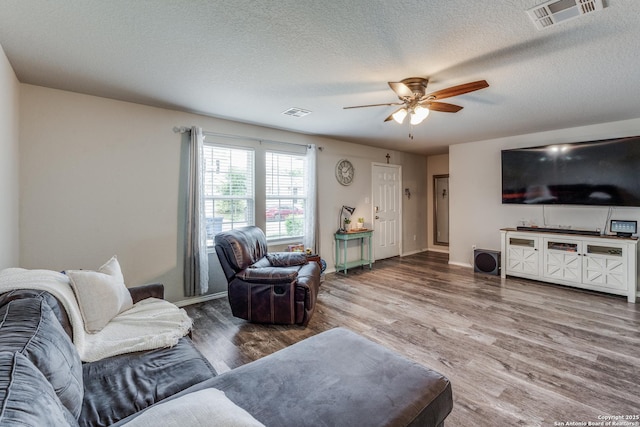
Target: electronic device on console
{"points": [[623, 228]]}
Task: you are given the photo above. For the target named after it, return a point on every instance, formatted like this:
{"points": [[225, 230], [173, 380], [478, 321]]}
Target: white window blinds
{"points": [[286, 197], [229, 188]]}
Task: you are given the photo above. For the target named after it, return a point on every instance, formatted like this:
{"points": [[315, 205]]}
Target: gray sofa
{"points": [[55, 388], [336, 378]]}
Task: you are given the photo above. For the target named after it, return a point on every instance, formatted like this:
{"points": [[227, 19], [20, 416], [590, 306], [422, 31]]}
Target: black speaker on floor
{"points": [[486, 261]]}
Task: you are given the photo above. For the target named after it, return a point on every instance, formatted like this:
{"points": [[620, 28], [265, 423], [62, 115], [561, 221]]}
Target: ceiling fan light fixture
{"points": [[417, 104], [418, 114], [399, 115]]}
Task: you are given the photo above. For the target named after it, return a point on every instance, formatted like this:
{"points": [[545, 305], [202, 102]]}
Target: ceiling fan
{"points": [[417, 104]]}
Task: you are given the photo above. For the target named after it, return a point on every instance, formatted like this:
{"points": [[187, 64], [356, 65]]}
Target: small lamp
{"points": [[349, 209]]}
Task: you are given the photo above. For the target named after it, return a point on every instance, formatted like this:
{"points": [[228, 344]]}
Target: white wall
{"points": [[415, 209], [436, 165], [333, 195], [100, 177], [477, 213], [9, 161]]}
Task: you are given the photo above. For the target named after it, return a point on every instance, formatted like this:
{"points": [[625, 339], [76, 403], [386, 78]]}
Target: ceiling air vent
{"points": [[296, 112], [556, 11]]}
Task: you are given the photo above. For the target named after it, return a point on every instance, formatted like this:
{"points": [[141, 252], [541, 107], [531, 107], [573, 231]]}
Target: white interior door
{"points": [[387, 223]]}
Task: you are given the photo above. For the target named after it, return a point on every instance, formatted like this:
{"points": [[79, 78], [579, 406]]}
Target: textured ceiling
{"points": [[250, 60]]}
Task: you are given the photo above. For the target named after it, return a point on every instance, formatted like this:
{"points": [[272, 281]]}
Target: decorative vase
{"points": [[359, 225]]}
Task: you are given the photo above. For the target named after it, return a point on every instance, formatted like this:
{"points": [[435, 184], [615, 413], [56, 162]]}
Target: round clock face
{"points": [[344, 172]]}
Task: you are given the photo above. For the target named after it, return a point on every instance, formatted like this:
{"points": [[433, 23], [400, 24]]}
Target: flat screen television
{"points": [[594, 173]]}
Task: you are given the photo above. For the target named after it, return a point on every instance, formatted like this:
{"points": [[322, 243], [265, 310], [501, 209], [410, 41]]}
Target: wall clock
{"points": [[344, 172]]}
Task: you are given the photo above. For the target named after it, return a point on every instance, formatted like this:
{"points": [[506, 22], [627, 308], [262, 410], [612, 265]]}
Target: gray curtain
{"points": [[311, 210], [196, 263]]}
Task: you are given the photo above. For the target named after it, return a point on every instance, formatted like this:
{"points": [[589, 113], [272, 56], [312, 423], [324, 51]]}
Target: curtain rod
{"points": [[184, 129]]}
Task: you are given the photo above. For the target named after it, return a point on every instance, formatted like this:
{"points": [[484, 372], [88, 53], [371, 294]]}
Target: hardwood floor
{"points": [[517, 352]]}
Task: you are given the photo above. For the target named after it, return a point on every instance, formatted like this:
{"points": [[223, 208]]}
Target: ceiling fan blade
{"points": [[374, 105], [401, 89], [443, 106], [458, 90]]}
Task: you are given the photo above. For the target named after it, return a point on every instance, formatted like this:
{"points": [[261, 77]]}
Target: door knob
{"points": [[377, 217]]}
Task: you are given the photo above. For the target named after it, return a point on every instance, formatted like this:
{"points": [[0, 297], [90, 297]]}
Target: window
{"points": [[228, 188], [285, 196]]}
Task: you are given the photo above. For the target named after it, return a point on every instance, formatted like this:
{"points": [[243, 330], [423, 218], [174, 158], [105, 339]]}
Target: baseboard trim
{"points": [[441, 251], [202, 298], [461, 264], [417, 251]]}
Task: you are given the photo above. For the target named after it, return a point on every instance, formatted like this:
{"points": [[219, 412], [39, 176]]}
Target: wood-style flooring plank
{"points": [[517, 352]]}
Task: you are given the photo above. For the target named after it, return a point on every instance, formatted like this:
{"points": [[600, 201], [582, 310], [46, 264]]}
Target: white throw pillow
{"points": [[101, 294], [207, 407], [112, 268]]}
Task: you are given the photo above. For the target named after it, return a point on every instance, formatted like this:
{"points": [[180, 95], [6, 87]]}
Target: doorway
{"points": [[441, 210], [387, 214]]}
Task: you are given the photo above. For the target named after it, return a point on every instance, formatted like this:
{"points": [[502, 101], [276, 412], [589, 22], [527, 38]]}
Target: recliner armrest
{"points": [[269, 275], [286, 259], [153, 290]]}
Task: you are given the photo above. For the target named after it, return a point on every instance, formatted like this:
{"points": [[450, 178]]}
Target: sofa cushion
{"points": [[55, 305], [119, 386], [30, 327], [208, 407], [101, 294], [26, 397]]}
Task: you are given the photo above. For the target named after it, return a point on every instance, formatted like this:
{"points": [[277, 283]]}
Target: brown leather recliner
{"points": [[277, 287]]}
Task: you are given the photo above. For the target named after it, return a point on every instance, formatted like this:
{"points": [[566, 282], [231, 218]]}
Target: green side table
{"points": [[341, 262]]}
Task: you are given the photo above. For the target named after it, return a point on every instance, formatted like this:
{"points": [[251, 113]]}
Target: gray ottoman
{"points": [[337, 378]]}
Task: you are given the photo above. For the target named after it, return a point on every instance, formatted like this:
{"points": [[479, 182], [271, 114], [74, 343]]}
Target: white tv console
{"points": [[599, 263]]}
